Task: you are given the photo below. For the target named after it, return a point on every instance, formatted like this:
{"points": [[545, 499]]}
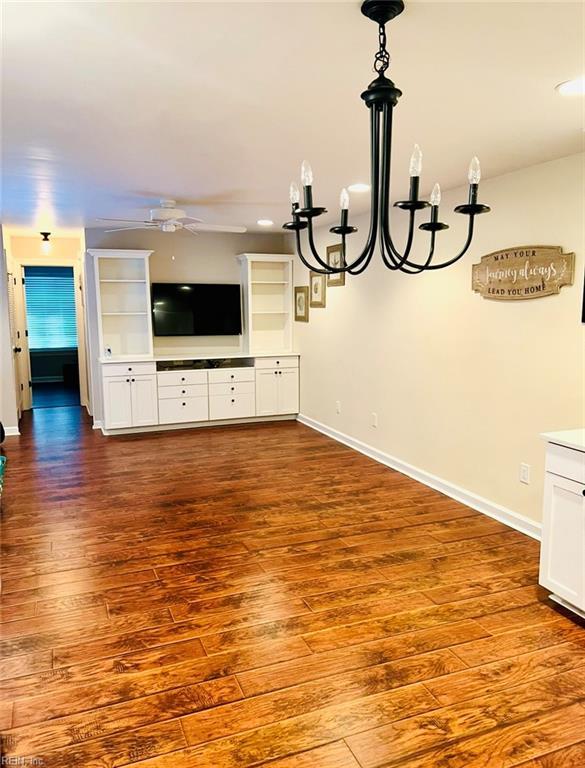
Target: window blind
{"points": [[50, 307]]}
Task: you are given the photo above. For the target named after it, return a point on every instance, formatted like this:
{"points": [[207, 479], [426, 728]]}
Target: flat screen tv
{"points": [[196, 309]]}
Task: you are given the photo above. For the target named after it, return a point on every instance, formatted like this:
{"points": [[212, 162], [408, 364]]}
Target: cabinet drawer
{"points": [[187, 390], [565, 462], [179, 378], [233, 387], [226, 375], [122, 369], [278, 362], [228, 407], [180, 410]]}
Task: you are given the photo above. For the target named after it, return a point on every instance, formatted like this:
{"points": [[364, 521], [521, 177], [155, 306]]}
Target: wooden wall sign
{"points": [[523, 272]]}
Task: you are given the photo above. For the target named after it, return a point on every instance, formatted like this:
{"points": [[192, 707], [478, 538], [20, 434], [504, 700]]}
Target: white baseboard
{"points": [[194, 425], [485, 506], [98, 424], [11, 431]]}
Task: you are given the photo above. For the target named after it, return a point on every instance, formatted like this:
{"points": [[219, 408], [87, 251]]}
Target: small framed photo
{"points": [[335, 259], [318, 287], [302, 303]]}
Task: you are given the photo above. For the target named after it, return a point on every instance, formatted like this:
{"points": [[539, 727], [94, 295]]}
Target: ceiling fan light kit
{"points": [[381, 96]]}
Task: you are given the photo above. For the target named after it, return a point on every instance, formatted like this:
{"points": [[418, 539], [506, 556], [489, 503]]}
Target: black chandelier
{"points": [[381, 97]]}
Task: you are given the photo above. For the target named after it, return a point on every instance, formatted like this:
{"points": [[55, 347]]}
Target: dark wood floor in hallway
{"points": [[259, 594]]}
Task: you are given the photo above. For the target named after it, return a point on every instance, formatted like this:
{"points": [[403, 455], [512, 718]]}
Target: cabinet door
{"points": [[117, 402], [562, 558], [288, 390], [267, 392], [144, 400]]}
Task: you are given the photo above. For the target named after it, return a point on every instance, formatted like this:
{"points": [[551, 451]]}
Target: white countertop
{"points": [[165, 358], [570, 438]]}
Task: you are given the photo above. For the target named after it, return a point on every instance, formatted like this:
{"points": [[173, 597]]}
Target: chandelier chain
{"points": [[382, 58]]}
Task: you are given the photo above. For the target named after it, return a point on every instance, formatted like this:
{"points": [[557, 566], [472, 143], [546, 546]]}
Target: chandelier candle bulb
{"points": [[416, 161], [436, 196], [474, 175], [295, 195], [344, 199]]}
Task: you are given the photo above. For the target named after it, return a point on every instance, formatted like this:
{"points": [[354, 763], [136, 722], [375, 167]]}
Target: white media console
{"points": [[141, 394]]}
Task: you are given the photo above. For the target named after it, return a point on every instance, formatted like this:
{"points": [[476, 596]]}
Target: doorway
{"points": [[51, 322]]}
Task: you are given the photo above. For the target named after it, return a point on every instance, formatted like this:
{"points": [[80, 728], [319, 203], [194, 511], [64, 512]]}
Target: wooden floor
{"points": [[254, 595]]}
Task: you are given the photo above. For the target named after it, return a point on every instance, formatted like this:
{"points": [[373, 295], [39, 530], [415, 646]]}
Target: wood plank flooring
{"points": [[260, 595]]}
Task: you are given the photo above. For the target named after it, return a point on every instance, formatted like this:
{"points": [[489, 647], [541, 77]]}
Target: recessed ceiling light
{"points": [[359, 187], [265, 222], [574, 87]]}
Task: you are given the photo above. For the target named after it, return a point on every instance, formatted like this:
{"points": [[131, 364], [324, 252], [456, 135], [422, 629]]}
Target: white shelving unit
{"points": [[123, 302], [267, 283]]}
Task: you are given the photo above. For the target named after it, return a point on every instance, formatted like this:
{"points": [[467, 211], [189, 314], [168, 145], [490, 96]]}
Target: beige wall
{"points": [[462, 386]]}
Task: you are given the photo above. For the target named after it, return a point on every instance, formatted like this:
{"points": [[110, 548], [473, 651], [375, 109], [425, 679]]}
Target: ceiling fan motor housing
{"points": [[167, 212]]}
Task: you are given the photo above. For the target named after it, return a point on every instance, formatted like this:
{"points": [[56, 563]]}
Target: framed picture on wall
{"points": [[335, 259], [318, 286], [302, 303]]}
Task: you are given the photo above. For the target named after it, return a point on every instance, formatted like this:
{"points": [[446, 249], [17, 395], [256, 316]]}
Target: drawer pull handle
{"points": [[183, 403], [128, 381], [232, 375], [129, 369], [276, 373], [233, 401], [278, 362], [583, 491], [133, 379], [182, 378], [183, 392]]}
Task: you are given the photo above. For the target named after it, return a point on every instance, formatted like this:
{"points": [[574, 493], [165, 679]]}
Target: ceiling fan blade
{"points": [[192, 231], [186, 219], [217, 228], [125, 229], [128, 221]]}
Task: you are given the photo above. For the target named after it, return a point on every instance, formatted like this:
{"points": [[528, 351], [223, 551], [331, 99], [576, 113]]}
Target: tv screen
{"points": [[196, 309]]}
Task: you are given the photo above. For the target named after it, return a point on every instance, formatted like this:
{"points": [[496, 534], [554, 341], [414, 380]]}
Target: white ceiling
{"points": [[109, 105]]}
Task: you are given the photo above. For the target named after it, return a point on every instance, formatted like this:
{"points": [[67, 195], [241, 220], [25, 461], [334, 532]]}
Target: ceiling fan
{"points": [[169, 218]]}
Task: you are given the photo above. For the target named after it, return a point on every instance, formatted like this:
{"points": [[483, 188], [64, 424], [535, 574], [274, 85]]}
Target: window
{"points": [[50, 307]]}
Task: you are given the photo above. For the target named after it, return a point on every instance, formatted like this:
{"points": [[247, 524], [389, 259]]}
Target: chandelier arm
{"points": [[368, 251], [461, 253], [422, 267], [309, 266], [393, 259]]}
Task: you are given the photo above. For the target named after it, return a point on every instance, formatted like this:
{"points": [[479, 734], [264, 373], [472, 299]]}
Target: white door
{"points": [[144, 401], [117, 402], [562, 565], [267, 392], [288, 390]]}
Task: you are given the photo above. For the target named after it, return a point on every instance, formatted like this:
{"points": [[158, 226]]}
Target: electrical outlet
{"points": [[338, 406], [525, 473], [374, 419]]}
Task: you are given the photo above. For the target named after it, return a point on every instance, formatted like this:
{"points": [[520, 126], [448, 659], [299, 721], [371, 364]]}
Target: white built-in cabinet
{"points": [[267, 284], [261, 382], [130, 397], [562, 555], [277, 386]]}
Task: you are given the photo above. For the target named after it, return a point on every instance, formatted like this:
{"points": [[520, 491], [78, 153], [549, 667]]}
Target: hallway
{"points": [[235, 596]]}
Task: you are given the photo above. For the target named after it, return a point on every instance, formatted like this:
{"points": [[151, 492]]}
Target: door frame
{"points": [[21, 318]]}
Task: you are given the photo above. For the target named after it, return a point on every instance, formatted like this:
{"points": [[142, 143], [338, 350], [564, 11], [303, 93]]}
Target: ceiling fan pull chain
{"points": [[382, 58]]}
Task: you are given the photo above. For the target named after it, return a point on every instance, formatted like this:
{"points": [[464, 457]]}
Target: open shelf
{"points": [[268, 289], [118, 314], [121, 281]]}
